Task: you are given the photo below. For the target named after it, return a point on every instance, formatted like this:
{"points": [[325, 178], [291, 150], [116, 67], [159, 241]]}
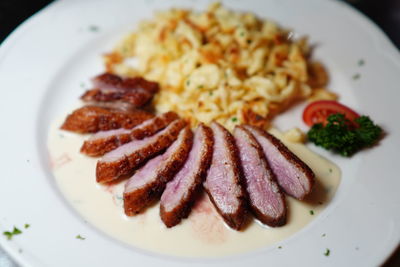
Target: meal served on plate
{"points": [[220, 65], [188, 116]]}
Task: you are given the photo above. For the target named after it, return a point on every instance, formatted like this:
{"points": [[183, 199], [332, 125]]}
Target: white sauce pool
{"points": [[204, 233]]}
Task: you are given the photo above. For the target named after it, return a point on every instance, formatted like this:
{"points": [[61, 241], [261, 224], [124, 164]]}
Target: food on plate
{"points": [[224, 183], [110, 88], [292, 174], [91, 119], [266, 200], [295, 135], [105, 141], [344, 136], [211, 72], [181, 193], [219, 65], [319, 111], [148, 183], [126, 158]]}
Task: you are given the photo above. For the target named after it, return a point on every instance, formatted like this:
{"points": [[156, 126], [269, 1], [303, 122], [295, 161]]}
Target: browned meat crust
{"points": [[137, 97], [99, 146], [109, 87], [269, 219], [140, 198], [107, 171], [237, 218], [91, 119], [174, 216], [292, 159]]}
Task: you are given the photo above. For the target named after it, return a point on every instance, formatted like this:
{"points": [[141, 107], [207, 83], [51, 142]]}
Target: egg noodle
{"points": [[220, 65]]}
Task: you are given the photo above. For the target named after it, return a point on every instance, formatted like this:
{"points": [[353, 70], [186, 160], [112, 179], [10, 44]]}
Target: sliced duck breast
{"points": [[180, 193], [105, 141], [223, 183], [292, 174], [126, 158], [266, 200], [110, 87], [91, 119], [147, 184]]}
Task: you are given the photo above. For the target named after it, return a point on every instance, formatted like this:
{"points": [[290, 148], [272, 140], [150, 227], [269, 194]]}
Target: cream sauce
{"points": [[204, 233]]}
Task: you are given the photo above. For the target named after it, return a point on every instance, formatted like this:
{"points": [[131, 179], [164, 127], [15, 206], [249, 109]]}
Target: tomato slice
{"points": [[319, 111]]}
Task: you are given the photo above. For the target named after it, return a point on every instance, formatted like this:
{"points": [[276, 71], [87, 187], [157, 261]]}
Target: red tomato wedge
{"points": [[319, 111]]}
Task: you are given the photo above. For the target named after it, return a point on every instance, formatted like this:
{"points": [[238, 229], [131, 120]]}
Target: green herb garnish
{"points": [[26, 226], [80, 237], [234, 119], [280, 247], [10, 235], [327, 252], [93, 28], [311, 212], [344, 137], [361, 62], [356, 76]]}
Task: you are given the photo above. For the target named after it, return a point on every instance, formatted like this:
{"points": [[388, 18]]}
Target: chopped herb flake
{"points": [[280, 247], [327, 252], [323, 235], [361, 62], [241, 33], [330, 170], [187, 82], [356, 76], [210, 93], [311, 212], [234, 119], [93, 28], [26, 226], [80, 237], [200, 86], [10, 235]]}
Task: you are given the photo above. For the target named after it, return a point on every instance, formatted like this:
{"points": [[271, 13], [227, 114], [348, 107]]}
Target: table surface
{"points": [[386, 14]]}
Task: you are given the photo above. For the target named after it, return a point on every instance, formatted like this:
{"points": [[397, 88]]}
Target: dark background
{"points": [[385, 13]]}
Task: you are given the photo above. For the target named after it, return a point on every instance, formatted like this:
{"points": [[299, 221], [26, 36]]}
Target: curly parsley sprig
{"points": [[343, 136]]}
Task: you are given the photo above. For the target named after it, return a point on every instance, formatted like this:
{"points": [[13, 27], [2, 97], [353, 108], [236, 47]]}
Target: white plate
{"points": [[44, 61]]}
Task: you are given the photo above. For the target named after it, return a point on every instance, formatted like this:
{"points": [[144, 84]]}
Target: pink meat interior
{"points": [[178, 187], [263, 191], [220, 178], [149, 171]]}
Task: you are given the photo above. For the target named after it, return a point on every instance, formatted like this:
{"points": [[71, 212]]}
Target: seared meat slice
{"points": [[147, 184], [112, 81], [123, 160], [224, 182], [105, 141], [292, 174], [91, 119], [109, 87], [180, 193], [266, 200]]}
